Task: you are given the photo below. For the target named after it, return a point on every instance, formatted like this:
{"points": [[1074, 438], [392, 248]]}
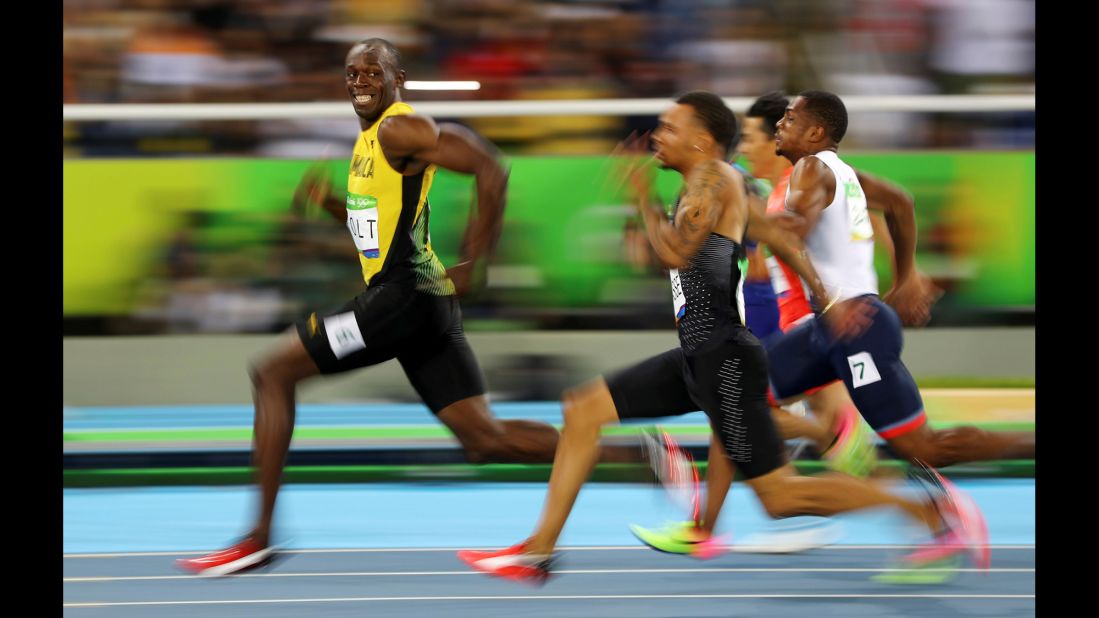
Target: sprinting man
{"points": [[719, 366], [826, 204], [833, 427], [409, 309]]}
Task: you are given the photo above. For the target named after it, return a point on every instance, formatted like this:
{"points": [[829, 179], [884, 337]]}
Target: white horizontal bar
{"points": [[421, 85], [474, 109]]}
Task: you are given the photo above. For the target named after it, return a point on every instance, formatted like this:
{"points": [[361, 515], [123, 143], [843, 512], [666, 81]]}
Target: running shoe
{"points": [[511, 563], [684, 538], [932, 572], [854, 451], [964, 526], [243, 556], [964, 535]]}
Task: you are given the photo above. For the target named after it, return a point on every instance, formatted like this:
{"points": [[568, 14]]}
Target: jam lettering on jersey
{"points": [[363, 167]]}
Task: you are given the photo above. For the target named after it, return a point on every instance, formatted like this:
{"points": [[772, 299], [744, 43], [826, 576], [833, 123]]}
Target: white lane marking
{"points": [[561, 572], [562, 598], [440, 549]]}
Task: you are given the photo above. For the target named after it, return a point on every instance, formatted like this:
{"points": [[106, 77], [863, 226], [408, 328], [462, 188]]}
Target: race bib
{"points": [[863, 369], [362, 221], [344, 336], [858, 217], [679, 301]]}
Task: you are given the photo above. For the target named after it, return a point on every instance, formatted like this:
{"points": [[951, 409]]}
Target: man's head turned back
{"points": [[374, 76]]}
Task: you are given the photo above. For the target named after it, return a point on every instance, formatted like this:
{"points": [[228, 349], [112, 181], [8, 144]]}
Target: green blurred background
{"points": [[563, 244]]}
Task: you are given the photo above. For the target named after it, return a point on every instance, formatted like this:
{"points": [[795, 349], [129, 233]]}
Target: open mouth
{"points": [[363, 99]]}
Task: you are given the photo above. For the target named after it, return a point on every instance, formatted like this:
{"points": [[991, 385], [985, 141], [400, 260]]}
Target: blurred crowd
{"points": [[130, 51], [237, 271], [213, 276]]}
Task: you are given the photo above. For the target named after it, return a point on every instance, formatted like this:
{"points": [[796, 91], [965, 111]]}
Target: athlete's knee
{"points": [[283, 368], [260, 375], [264, 373], [913, 449], [780, 494], [589, 407], [271, 372], [937, 448], [484, 444], [576, 412], [952, 445]]}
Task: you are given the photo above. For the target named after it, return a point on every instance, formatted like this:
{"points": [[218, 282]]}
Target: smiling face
{"points": [[372, 80]]}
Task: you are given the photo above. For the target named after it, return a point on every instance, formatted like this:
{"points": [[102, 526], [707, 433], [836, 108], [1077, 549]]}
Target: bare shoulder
{"points": [[810, 165], [736, 180], [407, 133], [714, 168], [715, 179], [812, 175]]}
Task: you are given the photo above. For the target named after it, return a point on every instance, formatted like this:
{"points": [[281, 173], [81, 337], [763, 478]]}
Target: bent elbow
{"points": [[903, 201]]}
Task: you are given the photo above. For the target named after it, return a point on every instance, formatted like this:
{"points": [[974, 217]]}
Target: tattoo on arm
{"points": [[703, 201], [699, 211]]}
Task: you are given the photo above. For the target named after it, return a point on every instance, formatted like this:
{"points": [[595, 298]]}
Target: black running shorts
{"points": [[728, 382], [423, 332]]}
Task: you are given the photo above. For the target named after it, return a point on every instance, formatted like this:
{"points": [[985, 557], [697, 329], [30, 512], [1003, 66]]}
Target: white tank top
{"points": [[841, 246]]}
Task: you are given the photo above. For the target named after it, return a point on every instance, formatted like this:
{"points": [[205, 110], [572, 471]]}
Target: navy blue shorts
{"points": [[870, 366], [760, 308]]}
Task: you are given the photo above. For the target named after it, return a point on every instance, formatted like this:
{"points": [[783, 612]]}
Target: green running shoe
{"points": [[930, 573], [682, 538], [854, 451]]}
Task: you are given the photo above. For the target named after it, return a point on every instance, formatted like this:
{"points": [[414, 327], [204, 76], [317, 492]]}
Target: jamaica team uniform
{"points": [[408, 310]]}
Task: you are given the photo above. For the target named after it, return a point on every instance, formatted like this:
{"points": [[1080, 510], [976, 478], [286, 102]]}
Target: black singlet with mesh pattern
{"points": [[719, 366], [712, 284]]}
